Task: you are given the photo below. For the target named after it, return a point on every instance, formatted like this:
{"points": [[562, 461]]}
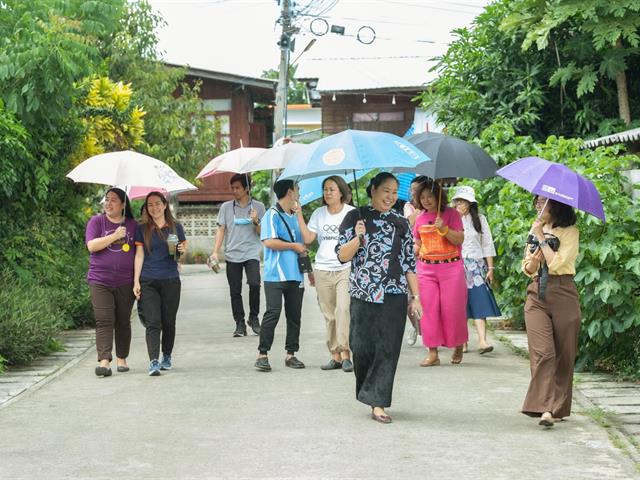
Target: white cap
{"points": [[465, 193]]}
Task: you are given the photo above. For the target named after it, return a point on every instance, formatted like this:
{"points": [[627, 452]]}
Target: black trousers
{"points": [[375, 337], [160, 299], [274, 292], [234, 277]]}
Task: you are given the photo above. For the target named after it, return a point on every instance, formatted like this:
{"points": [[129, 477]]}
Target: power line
{"points": [[431, 3]]}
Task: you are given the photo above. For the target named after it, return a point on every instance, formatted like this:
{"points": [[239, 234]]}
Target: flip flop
{"points": [[484, 350]]}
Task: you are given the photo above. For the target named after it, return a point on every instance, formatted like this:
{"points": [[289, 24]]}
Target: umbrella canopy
{"points": [[404, 185], [353, 150], [129, 168], [556, 182], [231, 161], [137, 193], [275, 158], [451, 158], [311, 188]]}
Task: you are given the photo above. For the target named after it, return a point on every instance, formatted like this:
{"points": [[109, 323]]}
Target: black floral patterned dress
{"points": [[378, 288]]}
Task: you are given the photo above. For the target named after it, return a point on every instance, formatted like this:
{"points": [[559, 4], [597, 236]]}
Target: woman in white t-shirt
{"points": [[478, 252], [331, 276]]}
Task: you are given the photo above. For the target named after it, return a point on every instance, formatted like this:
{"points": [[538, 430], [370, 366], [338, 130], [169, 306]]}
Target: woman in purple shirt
{"points": [[110, 239]]}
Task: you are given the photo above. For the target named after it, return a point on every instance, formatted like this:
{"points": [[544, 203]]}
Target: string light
{"points": [[393, 100], [364, 98], [333, 98]]}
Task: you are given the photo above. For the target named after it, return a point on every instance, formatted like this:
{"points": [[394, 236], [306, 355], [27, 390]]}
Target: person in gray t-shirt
{"points": [[239, 228]]}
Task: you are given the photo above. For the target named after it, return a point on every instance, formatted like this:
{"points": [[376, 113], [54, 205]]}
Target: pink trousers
{"points": [[443, 295]]}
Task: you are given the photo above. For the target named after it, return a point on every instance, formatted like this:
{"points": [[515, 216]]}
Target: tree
{"points": [[485, 75], [178, 129], [296, 91], [110, 120], [46, 48], [612, 29]]}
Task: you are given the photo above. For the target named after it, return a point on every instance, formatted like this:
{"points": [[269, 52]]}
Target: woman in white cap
{"points": [[478, 252]]}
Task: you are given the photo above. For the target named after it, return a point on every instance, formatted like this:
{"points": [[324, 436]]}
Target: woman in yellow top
{"points": [[552, 310]]}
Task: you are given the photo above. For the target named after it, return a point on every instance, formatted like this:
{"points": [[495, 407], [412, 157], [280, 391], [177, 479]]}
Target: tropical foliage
{"points": [[75, 79], [608, 270], [566, 86], [110, 121]]}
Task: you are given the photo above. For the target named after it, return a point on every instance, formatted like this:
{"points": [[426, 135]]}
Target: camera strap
{"points": [[275, 209]]}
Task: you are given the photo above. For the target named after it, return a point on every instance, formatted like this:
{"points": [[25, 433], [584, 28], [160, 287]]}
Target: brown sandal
{"points": [[430, 361], [456, 358]]}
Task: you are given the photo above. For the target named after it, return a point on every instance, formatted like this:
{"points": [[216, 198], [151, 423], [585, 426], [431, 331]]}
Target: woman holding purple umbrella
{"points": [[552, 310]]}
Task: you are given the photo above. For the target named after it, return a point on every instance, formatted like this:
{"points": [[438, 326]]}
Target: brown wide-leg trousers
{"points": [[112, 308], [552, 330]]}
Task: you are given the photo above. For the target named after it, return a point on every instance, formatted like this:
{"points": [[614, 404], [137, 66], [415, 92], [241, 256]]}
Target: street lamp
{"points": [[286, 86]]}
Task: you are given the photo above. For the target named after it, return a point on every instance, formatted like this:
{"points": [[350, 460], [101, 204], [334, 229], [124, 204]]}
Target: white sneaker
{"points": [[412, 336]]}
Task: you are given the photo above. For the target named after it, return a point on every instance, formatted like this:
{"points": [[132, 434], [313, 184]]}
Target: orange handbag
{"points": [[435, 246]]}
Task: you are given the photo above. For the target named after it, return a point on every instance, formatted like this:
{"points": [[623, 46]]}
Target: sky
{"points": [[239, 36]]}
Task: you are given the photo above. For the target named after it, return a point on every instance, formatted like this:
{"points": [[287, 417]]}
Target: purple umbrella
{"points": [[556, 182]]}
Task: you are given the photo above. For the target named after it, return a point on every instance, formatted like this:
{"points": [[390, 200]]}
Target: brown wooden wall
{"points": [[216, 188], [338, 116]]}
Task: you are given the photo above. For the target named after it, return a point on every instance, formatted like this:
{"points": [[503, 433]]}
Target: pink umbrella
{"points": [[137, 193]]}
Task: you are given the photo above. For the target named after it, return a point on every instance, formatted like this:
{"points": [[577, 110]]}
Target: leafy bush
{"points": [[48, 249], [608, 268], [29, 319]]}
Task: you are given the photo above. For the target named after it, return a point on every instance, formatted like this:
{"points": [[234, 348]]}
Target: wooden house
{"points": [[245, 107], [369, 93]]}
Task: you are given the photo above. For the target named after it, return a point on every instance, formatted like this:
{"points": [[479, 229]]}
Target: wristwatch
{"points": [[415, 297]]}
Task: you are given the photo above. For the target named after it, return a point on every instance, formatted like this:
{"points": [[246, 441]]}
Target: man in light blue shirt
{"points": [[283, 244]]}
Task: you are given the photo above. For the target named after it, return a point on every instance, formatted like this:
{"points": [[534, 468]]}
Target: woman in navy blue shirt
{"points": [[159, 242], [378, 242]]}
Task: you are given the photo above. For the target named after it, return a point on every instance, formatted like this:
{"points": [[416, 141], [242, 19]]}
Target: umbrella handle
{"points": [[542, 209], [355, 181], [439, 199], [124, 209]]}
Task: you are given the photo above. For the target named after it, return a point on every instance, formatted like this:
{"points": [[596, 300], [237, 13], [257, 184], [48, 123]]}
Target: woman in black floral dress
{"points": [[378, 242]]}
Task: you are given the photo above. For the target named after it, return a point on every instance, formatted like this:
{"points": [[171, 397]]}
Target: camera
{"points": [[534, 244], [304, 264]]}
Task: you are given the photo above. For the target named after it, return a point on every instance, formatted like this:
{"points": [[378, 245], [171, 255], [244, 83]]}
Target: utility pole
{"points": [[283, 77], [283, 80]]}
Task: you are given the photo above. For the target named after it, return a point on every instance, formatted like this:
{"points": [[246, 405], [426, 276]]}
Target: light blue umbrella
{"points": [[311, 188], [351, 150], [404, 187]]}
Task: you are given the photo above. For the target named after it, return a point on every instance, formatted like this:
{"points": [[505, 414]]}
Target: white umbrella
{"points": [[231, 161], [131, 169], [276, 157]]}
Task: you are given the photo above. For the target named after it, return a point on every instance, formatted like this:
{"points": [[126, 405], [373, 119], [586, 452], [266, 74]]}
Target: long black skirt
{"points": [[375, 337]]}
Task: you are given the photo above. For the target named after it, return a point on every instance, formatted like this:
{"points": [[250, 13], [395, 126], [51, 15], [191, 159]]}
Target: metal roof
{"points": [[358, 74], [620, 137], [228, 77]]}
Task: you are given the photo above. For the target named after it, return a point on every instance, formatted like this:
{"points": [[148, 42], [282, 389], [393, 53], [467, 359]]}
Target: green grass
{"points": [[522, 352], [607, 421]]}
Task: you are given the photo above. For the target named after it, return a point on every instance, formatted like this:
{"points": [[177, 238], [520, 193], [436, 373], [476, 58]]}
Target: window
{"points": [[225, 127], [378, 117], [365, 117]]}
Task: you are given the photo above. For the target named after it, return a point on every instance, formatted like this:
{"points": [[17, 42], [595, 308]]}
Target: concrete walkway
{"points": [[214, 416]]}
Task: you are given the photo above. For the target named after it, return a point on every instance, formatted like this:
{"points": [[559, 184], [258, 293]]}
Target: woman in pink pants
{"points": [[439, 234]]}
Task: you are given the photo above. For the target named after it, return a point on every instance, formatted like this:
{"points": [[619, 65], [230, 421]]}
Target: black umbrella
{"points": [[451, 157]]}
